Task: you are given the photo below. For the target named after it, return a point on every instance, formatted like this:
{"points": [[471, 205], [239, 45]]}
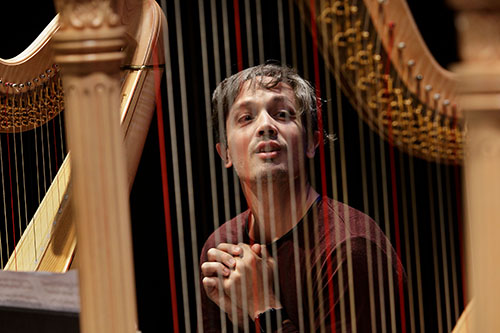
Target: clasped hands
{"points": [[234, 270]]}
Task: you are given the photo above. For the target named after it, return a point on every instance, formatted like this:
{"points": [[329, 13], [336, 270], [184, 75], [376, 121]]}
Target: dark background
{"points": [[436, 214]]}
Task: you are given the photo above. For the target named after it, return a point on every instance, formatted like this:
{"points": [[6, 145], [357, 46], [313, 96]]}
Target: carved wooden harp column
{"points": [[89, 50], [478, 26]]}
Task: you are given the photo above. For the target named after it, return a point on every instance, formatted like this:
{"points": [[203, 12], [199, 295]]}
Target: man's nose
{"points": [[266, 125]]}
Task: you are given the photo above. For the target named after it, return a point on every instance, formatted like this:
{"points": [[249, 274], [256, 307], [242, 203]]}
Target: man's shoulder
{"points": [[343, 210], [359, 227], [355, 221], [232, 231]]}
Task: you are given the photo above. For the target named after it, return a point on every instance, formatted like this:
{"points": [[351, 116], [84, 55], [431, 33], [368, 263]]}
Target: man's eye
{"points": [[283, 114], [245, 118]]}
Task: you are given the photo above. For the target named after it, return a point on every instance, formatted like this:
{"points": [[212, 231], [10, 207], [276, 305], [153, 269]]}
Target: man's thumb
{"points": [[257, 248]]}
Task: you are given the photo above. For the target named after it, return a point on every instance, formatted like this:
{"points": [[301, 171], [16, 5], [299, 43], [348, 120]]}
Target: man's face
{"points": [[265, 134]]}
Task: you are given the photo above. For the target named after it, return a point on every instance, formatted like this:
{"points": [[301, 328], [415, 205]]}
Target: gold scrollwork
{"points": [[32, 108]]}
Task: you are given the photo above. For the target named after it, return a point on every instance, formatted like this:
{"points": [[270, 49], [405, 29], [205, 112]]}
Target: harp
{"points": [[31, 98], [393, 80], [411, 92], [23, 84]]}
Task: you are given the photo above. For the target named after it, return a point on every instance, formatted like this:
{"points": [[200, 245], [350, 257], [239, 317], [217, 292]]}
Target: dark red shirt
{"points": [[344, 277]]}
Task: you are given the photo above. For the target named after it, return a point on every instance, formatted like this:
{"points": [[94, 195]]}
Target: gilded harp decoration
{"points": [[29, 104], [385, 69]]}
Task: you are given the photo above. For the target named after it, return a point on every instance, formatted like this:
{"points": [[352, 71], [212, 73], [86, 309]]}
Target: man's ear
{"points": [[223, 153], [312, 144]]}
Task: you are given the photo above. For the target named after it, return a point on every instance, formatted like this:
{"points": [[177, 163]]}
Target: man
{"points": [[294, 260]]}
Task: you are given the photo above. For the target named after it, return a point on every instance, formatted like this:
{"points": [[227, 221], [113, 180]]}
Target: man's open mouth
{"points": [[268, 147]]}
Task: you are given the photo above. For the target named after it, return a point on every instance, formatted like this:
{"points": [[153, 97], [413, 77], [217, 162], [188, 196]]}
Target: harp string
{"points": [[334, 163], [309, 249], [394, 191], [19, 222], [188, 162], [386, 214], [281, 26], [458, 200], [35, 130], [364, 174], [312, 174], [248, 25], [44, 168], [329, 115], [175, 157], [454, 267], [239, 52], [260, 34], [350, 24], [49, 159], [61, 135], [25, 203], [437, 286], [165, 191], [304, 53], [444, 323], [367, 42], [377, 256], [416, 240], [4, 210], [221, 128], [272, 220], [293, 198], [407, 220], [293, 42], [220, 120], [446, 231], [343, 24], [12, 203], [211, 144], [376, 215], [443, 242], [236, 188], [250, 50], [235, 192], [18, 193], [451, 232], [322, 162]]}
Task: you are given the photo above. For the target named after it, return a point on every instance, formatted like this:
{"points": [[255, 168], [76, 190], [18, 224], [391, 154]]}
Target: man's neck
{"points": [[276, 207]]}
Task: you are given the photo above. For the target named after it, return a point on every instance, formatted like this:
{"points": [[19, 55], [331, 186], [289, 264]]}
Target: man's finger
{"points": [[214, 289], [232, 249], [221, 256], [211, 269], [212, 286]]}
